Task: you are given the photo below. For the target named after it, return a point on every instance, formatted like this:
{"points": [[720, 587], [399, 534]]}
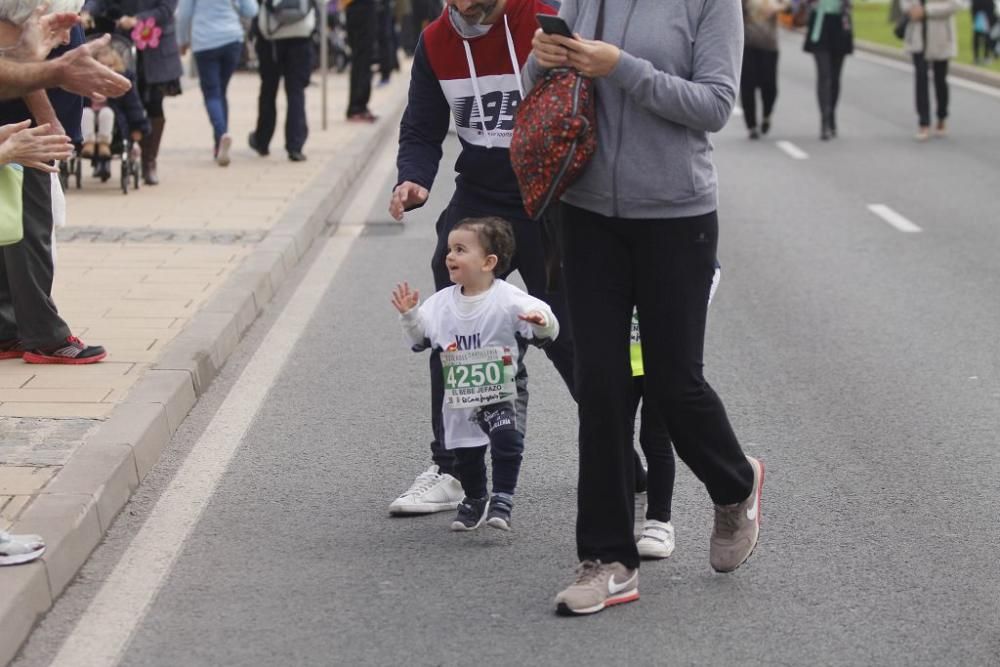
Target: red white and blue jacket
{"points": [[479, 83]]}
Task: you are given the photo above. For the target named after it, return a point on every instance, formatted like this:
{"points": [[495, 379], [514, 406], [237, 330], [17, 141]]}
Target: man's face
{"points": [[474, 11]]}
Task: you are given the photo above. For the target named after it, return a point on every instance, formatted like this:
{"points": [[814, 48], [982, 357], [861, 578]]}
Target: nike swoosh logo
{"points": [[752, 510], [614, 588]]}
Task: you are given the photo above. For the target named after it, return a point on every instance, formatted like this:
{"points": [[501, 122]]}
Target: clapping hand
{"points": [[405, 299], [41, 33], [533, 317], [33, 147]]}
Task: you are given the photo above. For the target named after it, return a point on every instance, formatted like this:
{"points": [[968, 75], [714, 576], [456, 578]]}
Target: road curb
{"points": [[78, 506]]}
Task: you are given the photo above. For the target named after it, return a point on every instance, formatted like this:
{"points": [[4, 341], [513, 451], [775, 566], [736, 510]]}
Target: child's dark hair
{"points": [[496, 236]]}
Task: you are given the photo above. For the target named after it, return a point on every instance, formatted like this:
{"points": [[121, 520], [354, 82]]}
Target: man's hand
{"points": [[533, 317], [41, 33], [33, 147], [404, 299], [407, 195], [917, 12], [80, 73]]}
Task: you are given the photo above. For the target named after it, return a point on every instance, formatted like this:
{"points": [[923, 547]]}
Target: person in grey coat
{"points": [[640, 231], [930, 39], [159, 69]]}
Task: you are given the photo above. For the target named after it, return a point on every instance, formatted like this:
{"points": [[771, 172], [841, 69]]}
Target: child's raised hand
{"points": [[405, 299], [534, 317]]}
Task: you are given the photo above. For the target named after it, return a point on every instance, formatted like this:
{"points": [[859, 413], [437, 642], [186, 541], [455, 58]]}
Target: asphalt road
{"points": [[859, 361]]}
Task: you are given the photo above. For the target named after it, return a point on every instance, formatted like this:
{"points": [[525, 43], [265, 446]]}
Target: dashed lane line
{"points": [[894, 218], [791, 150]]}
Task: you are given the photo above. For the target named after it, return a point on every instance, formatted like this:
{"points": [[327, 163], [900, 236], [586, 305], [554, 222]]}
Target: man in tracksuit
{"points": [[467, 64]]}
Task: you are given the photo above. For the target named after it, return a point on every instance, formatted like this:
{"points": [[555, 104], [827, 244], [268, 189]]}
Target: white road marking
{"points": [[737, 111], [792, 150], [102, 634], [893, 218], [360, 208], [953, 80]]}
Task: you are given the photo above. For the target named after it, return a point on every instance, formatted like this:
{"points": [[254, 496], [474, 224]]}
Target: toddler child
{"points": [[101, 118], [476, 323]]}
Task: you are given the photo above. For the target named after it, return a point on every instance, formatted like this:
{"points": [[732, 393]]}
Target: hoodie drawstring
{"points": [[475, 78]]}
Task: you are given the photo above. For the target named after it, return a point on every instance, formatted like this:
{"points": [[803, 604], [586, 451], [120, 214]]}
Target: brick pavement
{"points": [[132, 270]]}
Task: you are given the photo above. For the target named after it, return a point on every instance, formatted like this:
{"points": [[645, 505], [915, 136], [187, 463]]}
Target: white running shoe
{"points": [[657, 539], [430, 492], [17, 549], [222, 157]]}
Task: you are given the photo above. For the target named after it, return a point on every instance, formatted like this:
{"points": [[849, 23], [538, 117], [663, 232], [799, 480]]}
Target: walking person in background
{"points": [[984, 16], [159, 66], [640, 231], [386, 40], [362, 24], [930, 39], [830, 38], [284, 50], [760, 62], [213, 31]]}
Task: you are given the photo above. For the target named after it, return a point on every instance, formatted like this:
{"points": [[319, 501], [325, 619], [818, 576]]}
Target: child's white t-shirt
{"points": [[449, 320]]}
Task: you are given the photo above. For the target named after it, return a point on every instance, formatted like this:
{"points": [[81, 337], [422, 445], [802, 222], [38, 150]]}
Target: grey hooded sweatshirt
{"points": [[676, 82]]}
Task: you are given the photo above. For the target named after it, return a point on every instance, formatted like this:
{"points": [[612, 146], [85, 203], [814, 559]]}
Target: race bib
{"points": [[478, 377]]}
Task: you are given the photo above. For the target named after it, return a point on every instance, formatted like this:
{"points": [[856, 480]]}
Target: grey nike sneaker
{"points": [[737, 526], [598, 585]]}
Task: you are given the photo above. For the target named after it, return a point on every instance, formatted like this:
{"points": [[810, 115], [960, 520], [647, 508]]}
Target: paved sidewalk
{"points": [[167, 278]]}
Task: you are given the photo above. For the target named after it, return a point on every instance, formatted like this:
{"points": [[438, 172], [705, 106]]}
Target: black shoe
{"points": [[471, 514], [501, 505], [754, 134], [296, 156], [252, 140], [103, 170], [765, 126]]}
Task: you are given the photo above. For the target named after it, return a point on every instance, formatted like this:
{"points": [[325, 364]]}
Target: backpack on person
{"points": [[281, 13]]}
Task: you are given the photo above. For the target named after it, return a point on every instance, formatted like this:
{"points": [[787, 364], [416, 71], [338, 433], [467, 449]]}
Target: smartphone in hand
{"points": [[553, 25]]}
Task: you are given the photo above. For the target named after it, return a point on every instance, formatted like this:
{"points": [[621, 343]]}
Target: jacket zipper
{"points": [[569, 157], [621, 127]]}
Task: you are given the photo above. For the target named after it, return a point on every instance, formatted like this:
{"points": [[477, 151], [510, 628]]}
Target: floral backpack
{"points": [[555, 134]]}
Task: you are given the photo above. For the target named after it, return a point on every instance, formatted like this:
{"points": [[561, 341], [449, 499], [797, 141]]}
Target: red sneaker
{"points": [[11, 349], [74, 352]]}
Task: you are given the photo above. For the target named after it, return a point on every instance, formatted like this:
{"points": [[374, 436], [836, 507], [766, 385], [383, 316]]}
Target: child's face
{"points": [[467, 261]]}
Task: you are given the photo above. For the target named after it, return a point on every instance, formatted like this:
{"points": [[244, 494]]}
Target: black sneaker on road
{"points": [[471, 514]]}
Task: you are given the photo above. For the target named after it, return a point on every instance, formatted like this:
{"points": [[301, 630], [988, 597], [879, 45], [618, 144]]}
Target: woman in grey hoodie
{"points": [[640, 229]]}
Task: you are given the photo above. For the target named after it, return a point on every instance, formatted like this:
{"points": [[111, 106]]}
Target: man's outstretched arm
{"points": [[76, 71]]}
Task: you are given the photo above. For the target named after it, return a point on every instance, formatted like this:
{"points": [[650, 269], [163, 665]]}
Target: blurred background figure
{"points": [[386, 40], [930, 39], [984, 17], [760, 62], [362, 25], [830, 38], [158, 71], [213, 30], [284, 51]]}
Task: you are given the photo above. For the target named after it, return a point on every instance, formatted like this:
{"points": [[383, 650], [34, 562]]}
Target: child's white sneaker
{"points": [[656, 540]]}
